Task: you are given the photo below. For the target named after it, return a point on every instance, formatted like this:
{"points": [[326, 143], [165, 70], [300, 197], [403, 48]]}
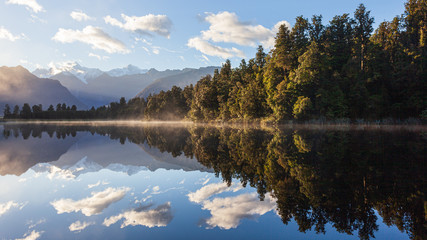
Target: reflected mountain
{"points": [[345, 178], [22, 148], [81, 149]]}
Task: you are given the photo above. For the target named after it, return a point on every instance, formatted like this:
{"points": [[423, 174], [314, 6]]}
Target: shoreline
{"points": [[418, 126]]}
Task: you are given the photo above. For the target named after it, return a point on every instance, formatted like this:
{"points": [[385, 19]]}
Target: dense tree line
{"points": [[342, 70], [318, 177]]}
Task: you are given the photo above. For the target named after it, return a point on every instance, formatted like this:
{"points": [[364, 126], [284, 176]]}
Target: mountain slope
{"points": [[185, 78], [19, 86], [105, 88]]}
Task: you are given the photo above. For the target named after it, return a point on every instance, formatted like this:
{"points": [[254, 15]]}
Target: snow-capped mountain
{"points": [[129, 70], [83, 73], [96, 88], [69, 68]]}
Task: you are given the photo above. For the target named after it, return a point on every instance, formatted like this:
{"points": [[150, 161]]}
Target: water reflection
{"points": [[347, 179]]}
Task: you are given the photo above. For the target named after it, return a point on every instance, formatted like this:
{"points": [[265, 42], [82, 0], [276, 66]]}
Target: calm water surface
{"points": [[195, 182]]}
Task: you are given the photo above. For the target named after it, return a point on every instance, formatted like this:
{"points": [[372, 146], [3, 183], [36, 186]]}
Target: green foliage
{"points": [[302, 108]]}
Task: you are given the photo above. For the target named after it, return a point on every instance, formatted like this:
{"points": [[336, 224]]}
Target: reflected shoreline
{"points": [[255, 125]]}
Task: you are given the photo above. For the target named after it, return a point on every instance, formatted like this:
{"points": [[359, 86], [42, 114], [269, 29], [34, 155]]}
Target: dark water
{"points": [[195, 182]]}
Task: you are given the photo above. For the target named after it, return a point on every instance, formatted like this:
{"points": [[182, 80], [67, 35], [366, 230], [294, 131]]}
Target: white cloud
{"points": [[29, 4], [91, 205], [58, 173], [228, 212], [159, 24], [35, 224], [158, 217], [79, 226], [99, 182], [93, 36], [146, 49], [99, 58], [5, 207], [156, 188], [226, 27], [212, 189], [80, 16], [5, 34], [32, 236], [212, 50], [35, 18], [206, 58], [207, 180], [156, 51]]}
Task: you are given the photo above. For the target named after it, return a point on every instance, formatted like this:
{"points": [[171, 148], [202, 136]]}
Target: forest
{"points": [[343, 70]]}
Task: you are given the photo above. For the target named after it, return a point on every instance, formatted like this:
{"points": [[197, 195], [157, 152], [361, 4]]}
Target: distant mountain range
{"points": [[186, 77], [94, 87], [19, 86]]}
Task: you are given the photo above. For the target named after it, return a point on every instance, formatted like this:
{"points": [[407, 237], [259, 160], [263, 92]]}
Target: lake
{"points": [[185, 181]]}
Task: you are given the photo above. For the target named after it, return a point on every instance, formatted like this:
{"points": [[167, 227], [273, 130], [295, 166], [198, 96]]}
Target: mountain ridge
{"points": [[104, 88], [19, 86]]}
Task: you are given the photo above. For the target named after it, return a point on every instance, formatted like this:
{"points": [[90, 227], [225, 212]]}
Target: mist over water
{"points": [[109, 179]]}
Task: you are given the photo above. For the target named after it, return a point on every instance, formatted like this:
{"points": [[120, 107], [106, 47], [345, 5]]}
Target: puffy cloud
{"points": [[58, 173], [29, 4], [5, 207], [212, 189], [92, 205], [32, 236], [99, 182], [159, 24], [79, 226], [158, 217], [226, 27], [5, 34], [80, 16], [99, 58], [212, 50], [93, 36], [228, 212]]}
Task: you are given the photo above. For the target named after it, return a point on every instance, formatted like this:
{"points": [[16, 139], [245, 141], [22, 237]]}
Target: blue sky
{"points": [[162, 34]]}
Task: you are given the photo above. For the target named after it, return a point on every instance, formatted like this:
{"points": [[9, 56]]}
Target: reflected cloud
{"points": [[228, 212], [158, 217], [58, 173], [5, 207], [156, 189], [32, 236], [97, 184], [206, 181], [212, 189], [92, 205], [79, 226]]}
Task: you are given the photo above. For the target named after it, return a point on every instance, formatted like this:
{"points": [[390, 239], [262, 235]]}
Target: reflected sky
{"points": [[92, 186]]}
